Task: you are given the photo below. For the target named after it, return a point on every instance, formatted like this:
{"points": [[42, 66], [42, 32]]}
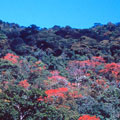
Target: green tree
{"points": [[17, 103], [2, 36]]}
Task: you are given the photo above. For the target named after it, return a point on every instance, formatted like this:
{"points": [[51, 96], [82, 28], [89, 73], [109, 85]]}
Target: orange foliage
{"points": [[88, 117], [75, 94], [56, 92], [79, 68], [102, 83], [113, 68], [57, 77], [11, 57], [55, 72], [40, 99], [24, 84]]}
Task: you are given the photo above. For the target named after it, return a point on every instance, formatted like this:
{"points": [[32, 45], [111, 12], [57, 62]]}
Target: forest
{"points": [[59, 73]]}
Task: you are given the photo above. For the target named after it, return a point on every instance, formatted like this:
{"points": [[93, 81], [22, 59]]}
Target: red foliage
{"points": [[11, 57], [88, 117], [102, 83], [113, 68], [24, 84], [40, 99], [75, 94], [55, 72], [55, 80], [57, 77], [38, 62], [54, 95], [80, 68], [56, 92], [98, 59]]}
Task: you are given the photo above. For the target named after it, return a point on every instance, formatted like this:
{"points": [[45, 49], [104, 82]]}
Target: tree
{"points": [[32, 29], [17, 103], [2, 36]]}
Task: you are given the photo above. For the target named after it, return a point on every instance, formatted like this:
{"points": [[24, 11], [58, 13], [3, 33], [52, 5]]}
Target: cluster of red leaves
{"points": [[102, 83], [55, 79], [80, 67], [75, 94], [79, 70], [73, 87], [11, 57], [38, 67], [55, 73], [112, 68], [40, 64], [88, 117], [98, 59], [41, 99], [24, 84], [58, 93]]}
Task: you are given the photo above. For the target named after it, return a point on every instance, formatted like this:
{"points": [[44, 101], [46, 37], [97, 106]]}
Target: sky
{"points": [[47, 13]]}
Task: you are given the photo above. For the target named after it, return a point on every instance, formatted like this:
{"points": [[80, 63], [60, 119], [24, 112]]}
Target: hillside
{"points": [[60, 73]]}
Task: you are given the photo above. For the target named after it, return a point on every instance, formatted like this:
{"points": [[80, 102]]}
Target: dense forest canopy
{"points": [[60, 73]]}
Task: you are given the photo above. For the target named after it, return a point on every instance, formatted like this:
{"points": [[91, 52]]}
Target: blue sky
{"points": [[47, 13]]}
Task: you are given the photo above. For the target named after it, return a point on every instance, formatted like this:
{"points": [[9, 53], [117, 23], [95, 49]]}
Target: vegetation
{"points": [[59, 73]]}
